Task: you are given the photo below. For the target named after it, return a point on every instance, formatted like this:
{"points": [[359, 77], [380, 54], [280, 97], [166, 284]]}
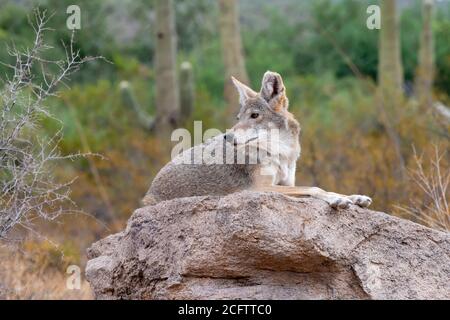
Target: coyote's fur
{"points": [[260, 113]]}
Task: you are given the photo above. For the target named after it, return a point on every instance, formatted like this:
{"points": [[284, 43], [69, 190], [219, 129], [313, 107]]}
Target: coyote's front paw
{"points": [[338, 202], [362, 201]]}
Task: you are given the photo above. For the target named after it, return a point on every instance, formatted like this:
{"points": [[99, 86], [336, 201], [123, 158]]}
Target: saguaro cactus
{"points": [[425, 70], [390, 77], [232, 51], [145, 120], [167, 92], [187, 99], [390, 69], [187, 90]]}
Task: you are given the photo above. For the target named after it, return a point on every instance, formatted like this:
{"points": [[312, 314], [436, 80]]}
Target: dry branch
{"points": [[28, 189]]}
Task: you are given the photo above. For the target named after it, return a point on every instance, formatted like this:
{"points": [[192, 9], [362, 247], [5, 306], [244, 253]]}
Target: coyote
{"points": [[260, 113]]}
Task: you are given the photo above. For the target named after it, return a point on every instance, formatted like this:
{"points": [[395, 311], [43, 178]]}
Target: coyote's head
{"points": [[264, 115]]}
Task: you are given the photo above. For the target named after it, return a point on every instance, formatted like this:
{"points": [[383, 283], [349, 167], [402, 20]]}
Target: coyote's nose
{"points": [[229, 137]]}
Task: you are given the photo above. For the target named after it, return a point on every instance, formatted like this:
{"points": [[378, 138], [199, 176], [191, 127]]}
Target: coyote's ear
{"points": [[245, 92], [274, 92]]}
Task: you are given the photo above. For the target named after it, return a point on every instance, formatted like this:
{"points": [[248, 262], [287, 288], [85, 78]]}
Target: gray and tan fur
{"points": [[260, 112]]}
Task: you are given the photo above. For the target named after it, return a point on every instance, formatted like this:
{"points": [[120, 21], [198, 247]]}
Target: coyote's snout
{"points": [[267, 135]]}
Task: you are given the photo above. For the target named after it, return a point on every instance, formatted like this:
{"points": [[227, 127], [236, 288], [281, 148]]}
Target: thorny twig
{"points": [[28, 189]]}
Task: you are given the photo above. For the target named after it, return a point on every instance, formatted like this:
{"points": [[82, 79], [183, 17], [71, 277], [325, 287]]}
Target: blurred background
{"points": [[373, 105]]}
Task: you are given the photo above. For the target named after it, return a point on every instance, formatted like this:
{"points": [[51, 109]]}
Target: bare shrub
{"points": [[28, 190], [431, 206]]}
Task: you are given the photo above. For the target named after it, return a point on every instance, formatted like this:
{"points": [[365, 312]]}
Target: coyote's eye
{"points": [[254, 115]]}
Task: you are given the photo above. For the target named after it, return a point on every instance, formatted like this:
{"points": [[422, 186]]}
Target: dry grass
{"points": [[431, 206], [36, 276]]}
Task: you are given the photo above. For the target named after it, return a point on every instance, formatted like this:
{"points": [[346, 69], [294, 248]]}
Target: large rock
{"points": [[268, 246]]}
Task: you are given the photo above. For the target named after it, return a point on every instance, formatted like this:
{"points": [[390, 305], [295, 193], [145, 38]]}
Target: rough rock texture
{"points": [[268, 246]]}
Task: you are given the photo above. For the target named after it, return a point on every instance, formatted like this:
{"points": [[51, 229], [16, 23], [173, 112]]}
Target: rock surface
{"points": [[268, 246]]}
